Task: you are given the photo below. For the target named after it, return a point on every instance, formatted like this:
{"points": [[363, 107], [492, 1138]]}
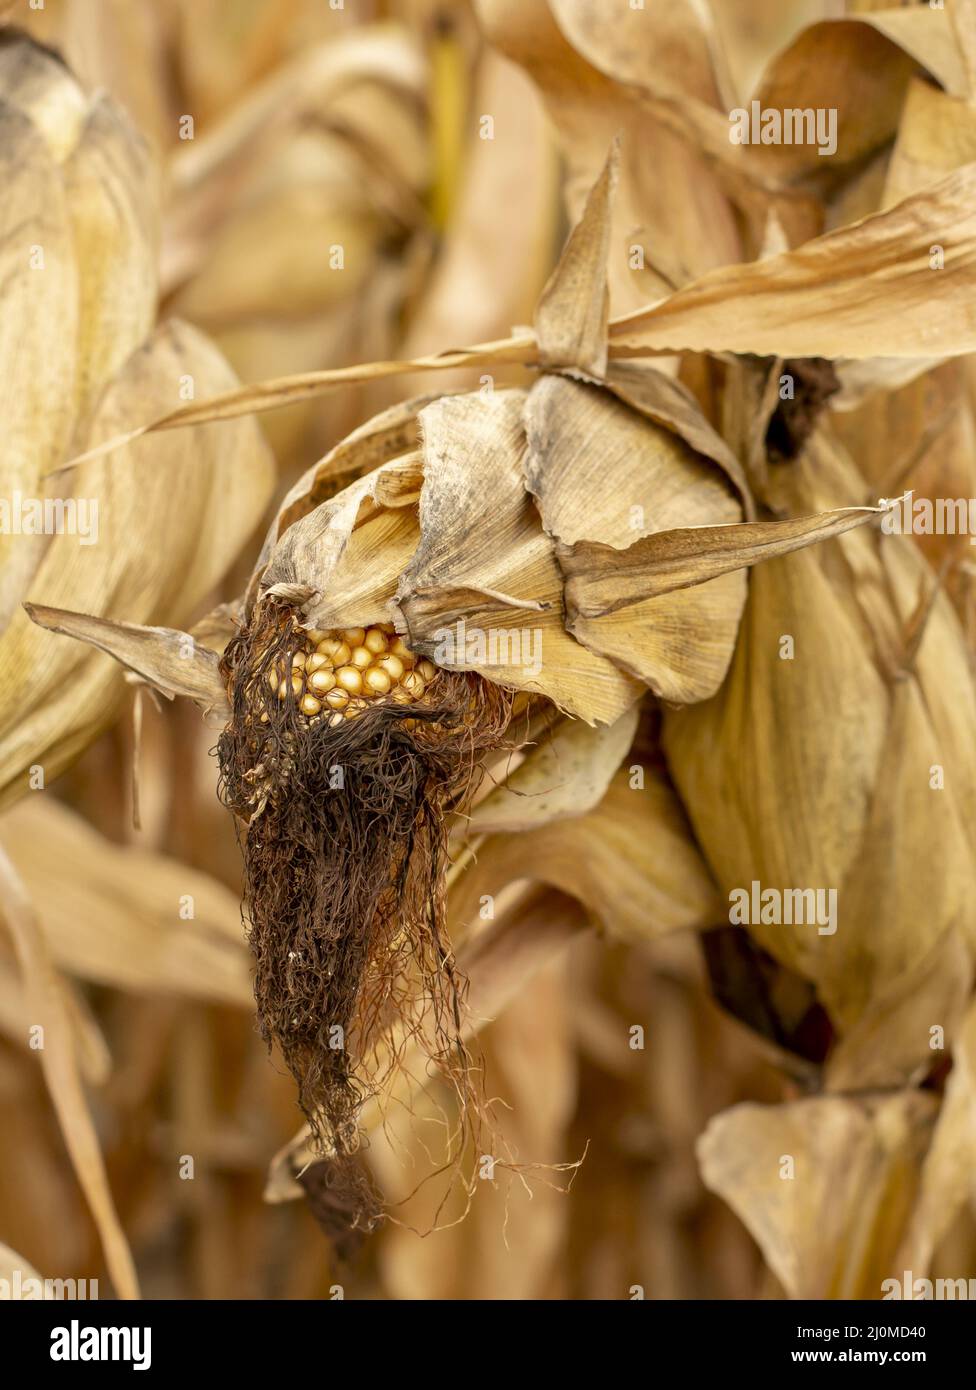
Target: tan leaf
{"points": [[649, 480], [499, 578], [171, 661], [565, 775], [571, 317], [64, 1084], [631, 862], [675, 559], [312, 549], [147, 564], [270, 395], [831, 1228], [843, 294], [114, 915], [947, 1173], [38, 326], [890, 1045]]}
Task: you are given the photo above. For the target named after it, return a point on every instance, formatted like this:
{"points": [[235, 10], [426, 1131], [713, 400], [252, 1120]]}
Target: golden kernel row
{"points": [[341, 671]]}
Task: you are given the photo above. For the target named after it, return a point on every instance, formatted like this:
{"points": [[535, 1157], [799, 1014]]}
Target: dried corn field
{"points": [[487, 697]]}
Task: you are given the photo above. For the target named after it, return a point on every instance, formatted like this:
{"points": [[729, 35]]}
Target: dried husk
{"points": [[830, 1225], [819, 771], [80, 363]]}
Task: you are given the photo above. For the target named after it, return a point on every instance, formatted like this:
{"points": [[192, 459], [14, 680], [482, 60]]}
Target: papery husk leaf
{"points": [[17, 1020], [649, 480], [572, 313], [270, 395], [148, 565], [484, 559], [643, 467], [565, 775], [38, 328], [60, 1067], [937, 133], [631, 862], [839, 805], [679, 644], [312, 549], [947, 1183], [111, 193], [830, 1229], [171, 661], [669, 403], [918, 893], [112, 915], [693, 229], [602, 578], [35, 80], [886, 1047], [389, 435], [751, 758], [93, 300], [843, 294]]}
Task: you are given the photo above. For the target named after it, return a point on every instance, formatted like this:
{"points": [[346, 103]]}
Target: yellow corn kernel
{"points": [[350, 679], [392, 665], [413, 684], [377, 681]]}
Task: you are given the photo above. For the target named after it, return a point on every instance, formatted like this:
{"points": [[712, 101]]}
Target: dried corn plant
{"points": [[596, 719]]}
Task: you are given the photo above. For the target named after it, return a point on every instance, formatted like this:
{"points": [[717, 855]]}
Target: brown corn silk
{"points": [[344, 852]]}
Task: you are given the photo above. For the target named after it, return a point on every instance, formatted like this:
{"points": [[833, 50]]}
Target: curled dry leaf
{"points": [[147, 564], [565, 775], [60, 1067], [782, 798], [117, 916], [830, 1224], [78, 301], [630, 861], [502, 580], [171, 661], [947, 1174], [839, 295], [574, 307]]}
